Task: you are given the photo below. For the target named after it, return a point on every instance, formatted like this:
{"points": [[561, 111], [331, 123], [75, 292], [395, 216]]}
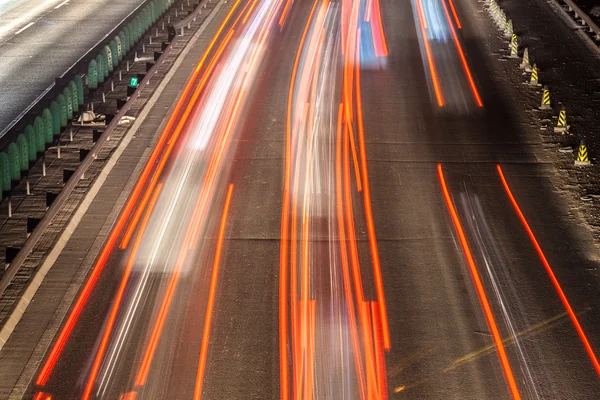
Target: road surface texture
{"points": [[40, 40], [334, 212]]}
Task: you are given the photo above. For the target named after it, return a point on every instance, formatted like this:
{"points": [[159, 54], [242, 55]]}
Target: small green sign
{"points": [[134, 82]]}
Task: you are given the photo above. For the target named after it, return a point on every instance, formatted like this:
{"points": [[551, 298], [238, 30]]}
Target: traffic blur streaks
{"points": [[449, 76], [483, 298], [167, 229], [551, 275], [332, 335]]}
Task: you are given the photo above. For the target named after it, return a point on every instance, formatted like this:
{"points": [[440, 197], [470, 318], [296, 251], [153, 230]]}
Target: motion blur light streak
{"points": [[158, 151], [336, 340], [42, 396], [189, 164], [211, 297], [495, 272], [458, 25], [553, 279], [510, 379], [117, 303], [442, 65], [463, 59], [430, 62]]}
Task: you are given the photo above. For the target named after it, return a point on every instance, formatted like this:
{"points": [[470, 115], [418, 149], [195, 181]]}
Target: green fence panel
{"points": [[131, 31], [74, 96], [48, 125], [114, 53], [4, 172], [147, 16], [153, 14], [124, 35], [69, 101], [55, 111], [105, 64], [134, 25], [23, 152], [32, 142], [79, 83], [118, 50], [15, 163], [138, 27], [100, 68], [109, 57], [62, 105], [40, 132], [92, 75]]}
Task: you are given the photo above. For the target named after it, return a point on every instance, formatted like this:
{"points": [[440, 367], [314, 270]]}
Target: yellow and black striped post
{"points": [[546, 99], [534, 75], [513, 46], [561, 125], [582, 156], [525, 61], [508, 29]]}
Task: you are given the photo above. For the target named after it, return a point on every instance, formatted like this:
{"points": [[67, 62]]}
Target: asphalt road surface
{"points": [[388, 231], [40, 40]]}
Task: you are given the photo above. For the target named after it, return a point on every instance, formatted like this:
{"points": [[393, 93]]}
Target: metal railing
{"points": [[187, 21], [585, 19]]}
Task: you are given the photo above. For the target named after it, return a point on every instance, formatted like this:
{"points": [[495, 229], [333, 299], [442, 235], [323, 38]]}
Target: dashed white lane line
{"points": [[23, 28], [62, 4]]}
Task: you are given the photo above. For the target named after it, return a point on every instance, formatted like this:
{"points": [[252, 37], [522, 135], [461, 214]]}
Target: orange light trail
{"points": [[285, 11], [454, 13], [249, 10], [489, 316], [211, 297], [463, 59], [381, 47], [553, 279], [369, 217], [117, 302], [434, 76], [285, 221], [344, 260], [144, 369], [379, 353]]}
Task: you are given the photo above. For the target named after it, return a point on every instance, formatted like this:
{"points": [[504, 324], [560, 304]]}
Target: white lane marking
{"points": [[64, 3], [23, 28]]}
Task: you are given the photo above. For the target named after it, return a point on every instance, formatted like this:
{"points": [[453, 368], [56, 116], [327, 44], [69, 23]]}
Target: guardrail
{"points": [[26, 138], [15, 265], [584, 18], [190, 18]]}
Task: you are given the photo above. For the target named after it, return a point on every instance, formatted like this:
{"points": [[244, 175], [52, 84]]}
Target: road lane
{"points": [[170, 213], [54, 39], [412, 218], [440, 341]]}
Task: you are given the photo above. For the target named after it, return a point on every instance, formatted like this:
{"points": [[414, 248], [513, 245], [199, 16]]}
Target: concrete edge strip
{"points": [[39, 275]]}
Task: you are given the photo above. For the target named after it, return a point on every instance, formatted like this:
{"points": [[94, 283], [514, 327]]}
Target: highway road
{"points": [[40, 40], [343, 204]]}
